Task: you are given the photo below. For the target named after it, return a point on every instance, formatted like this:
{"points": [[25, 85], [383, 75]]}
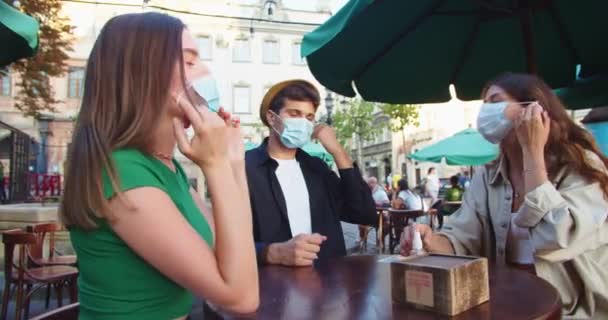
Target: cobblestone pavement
{"points": [[351, 239]]}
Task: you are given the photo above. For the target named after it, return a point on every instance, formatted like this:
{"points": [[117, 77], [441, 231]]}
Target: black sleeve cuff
{"points": [[260, 252]]}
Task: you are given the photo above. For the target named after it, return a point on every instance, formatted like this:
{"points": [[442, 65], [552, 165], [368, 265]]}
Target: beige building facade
{"points": [[248, 46]]}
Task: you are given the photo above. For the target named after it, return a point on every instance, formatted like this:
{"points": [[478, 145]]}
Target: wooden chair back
{"points": [[36, 251], [16, 239]]}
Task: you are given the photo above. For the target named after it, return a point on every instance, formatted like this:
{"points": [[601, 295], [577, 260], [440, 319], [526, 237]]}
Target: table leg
{"points": [[380, 233]]}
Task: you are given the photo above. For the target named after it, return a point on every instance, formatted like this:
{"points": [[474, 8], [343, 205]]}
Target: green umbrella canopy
{"points": [[18, 35], [466, 148], [585, 93], [409, 51], [313, 149]]}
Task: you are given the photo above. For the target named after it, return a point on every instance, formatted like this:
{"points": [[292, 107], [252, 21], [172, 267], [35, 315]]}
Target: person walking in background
{"points": [[2, 188], [431, 185], [395, 181], [389, 181]]}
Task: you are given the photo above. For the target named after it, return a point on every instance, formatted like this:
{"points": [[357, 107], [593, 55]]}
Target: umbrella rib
{"points": [[563, 35], [466, 50], [396, 40], [458, 13], [525, 22], [490, 6]]}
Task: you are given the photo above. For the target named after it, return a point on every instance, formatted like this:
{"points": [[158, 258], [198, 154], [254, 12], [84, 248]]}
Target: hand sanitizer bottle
{"points": [[417, 248]]}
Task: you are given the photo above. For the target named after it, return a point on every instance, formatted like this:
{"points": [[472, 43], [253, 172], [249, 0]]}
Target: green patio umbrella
{"points": [[466, 148], [585, 93], [410, 51], [18, 35], [250, 145], [312, 148], [317, 150]]}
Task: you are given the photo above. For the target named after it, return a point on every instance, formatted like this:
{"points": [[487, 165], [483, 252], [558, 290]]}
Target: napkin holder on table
{"points": [[446, 284]]}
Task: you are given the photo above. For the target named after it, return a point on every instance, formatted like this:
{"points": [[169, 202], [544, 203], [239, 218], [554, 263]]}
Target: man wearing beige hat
{"points": [[296, 200]]}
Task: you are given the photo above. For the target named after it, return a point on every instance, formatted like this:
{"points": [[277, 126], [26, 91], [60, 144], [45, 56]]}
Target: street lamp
{"points": [[144, 5], [329, 105], [269, 7]]}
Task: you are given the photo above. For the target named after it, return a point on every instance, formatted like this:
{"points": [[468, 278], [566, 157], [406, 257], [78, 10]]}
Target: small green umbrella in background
{"points": [[410, 51], [317, 150], [312, 148], [18, 35], [466, 148], [250, 145]]}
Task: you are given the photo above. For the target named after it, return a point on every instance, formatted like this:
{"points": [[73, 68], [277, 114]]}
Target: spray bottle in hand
{"points": [[417, 247]]}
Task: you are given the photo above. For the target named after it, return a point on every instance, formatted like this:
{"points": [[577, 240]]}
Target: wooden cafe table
{"points": [[358, 287]]}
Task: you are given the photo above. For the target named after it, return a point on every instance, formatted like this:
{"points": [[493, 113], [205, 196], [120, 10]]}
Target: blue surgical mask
{"points": [[206, 87], [297, 132], [492, 122]]}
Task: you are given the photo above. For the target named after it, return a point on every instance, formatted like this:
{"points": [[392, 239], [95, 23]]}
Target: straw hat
{"points": [[275, 90]]}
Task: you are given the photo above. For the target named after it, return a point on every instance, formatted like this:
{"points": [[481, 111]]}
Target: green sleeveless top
{"points": [[114, 282]]}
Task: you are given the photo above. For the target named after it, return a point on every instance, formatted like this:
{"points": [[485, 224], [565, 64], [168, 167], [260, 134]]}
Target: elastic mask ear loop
{"points": [[273, 126]]}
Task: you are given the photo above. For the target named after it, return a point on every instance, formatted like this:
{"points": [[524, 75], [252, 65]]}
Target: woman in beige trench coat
{"points": [[542, 205]]}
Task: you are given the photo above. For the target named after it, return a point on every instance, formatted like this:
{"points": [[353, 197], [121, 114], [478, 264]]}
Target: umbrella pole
{"points": [[525, 22]]}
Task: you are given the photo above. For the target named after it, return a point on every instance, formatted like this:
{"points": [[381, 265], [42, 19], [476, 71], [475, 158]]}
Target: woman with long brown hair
{"points": [[145, 240], [542, 205]]}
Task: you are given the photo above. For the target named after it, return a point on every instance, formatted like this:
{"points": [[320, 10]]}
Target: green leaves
{"points": [[356, 119], [401, 115], [35, 93]]}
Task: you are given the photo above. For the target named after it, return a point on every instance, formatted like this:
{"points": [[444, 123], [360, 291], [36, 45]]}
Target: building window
{"points": [[204, 45], [45, 81], [296, 57], [75, 83], [271, 52], [241, 98], [241, 51], [387, 135], [5, 84]]}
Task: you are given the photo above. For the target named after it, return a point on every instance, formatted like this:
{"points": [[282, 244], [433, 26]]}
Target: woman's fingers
{"points": [[236, 122], [537, 111], [182, 139], [194, 116], [528, 113], [546, 119], [225, 115]]}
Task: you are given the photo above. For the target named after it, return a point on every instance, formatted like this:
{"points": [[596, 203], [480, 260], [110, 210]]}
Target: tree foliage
{"points": [[356, 119], [401, 115], [35, 93]]}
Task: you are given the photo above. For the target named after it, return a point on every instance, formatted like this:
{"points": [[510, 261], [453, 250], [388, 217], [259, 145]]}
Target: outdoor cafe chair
{"points": [[26, 280]]}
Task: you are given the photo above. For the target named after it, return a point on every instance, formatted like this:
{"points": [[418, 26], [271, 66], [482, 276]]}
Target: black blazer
{"points": [[332, 199]]}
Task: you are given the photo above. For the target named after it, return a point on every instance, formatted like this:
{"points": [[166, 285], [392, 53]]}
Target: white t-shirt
{"points": [[380, 196], [411, 200], [432, 185], [295, 193]]}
